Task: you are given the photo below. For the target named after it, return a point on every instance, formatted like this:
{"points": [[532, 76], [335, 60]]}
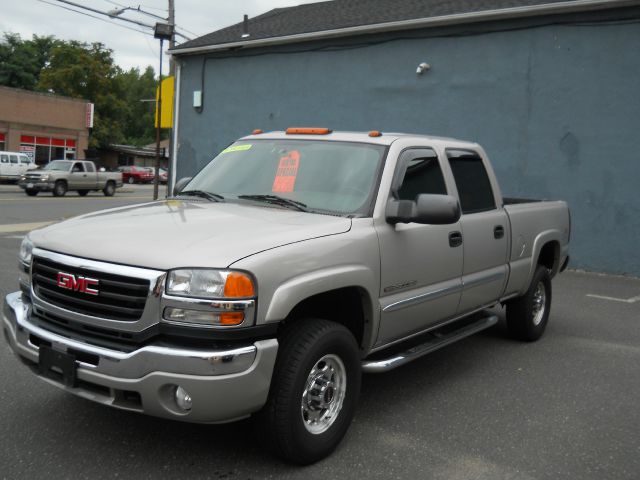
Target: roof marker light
{"points": [[308, 131], [375, 133], [257, 131]]}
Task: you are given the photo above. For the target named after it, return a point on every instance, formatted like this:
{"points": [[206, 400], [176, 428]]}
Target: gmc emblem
{"points": [[77, 284]]}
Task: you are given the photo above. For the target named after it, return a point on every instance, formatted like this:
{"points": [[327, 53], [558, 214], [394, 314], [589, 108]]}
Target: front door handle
{"points": [[455, 239], [498, 231]]}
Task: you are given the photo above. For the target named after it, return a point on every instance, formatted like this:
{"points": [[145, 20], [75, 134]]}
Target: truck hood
{"points": [[177, 233]]}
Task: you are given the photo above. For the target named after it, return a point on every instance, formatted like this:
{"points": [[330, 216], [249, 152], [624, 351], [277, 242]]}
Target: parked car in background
{"points": [[133, 174], [60, 176], [13, 165], [164, 175]]}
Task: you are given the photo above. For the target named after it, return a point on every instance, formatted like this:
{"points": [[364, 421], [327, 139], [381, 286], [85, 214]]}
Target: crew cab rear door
{"points": [[485, 230], [421, 266]]}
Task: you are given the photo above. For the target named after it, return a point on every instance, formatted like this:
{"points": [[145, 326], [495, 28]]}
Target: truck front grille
{"points": [[119, 297]]}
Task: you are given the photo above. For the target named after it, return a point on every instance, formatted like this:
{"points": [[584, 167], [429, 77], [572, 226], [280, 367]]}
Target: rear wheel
{"points": [[83, 193], [31, 192], [314, 390], [109, 189], [59, 189], [527, 316]]}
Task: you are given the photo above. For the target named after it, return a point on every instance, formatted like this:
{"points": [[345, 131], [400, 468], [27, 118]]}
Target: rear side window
{"points": [[474, 187], [14, 158], [4, 158], [89, 167], [422, 175]]}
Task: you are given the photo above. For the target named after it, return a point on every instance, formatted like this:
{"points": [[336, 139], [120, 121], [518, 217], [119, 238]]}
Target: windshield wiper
{"points": [[213, 197], [277, 200]]}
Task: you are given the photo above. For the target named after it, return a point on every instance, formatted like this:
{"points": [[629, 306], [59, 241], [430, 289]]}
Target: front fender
{"points": [[301, 287]]}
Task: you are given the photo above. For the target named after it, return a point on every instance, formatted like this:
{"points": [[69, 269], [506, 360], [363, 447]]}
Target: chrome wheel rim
{"points": [[324, 394], [539, 303]]}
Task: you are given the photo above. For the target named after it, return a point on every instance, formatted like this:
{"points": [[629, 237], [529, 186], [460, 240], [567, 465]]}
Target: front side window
{"points": [[331, 177], [422, 175], [472, 181]]}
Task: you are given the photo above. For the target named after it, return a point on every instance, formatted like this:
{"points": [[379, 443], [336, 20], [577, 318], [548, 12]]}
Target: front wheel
{"points": [[59, 189], [527, 316], [314, 390]]}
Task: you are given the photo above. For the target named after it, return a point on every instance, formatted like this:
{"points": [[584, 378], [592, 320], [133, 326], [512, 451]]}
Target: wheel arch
{"points": [[343, 295]]}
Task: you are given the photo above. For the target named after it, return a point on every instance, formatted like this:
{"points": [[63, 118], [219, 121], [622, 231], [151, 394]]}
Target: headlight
{"points": [[26, 249], [203, 283]]}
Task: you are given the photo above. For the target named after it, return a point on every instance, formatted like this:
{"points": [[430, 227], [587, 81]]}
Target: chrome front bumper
{"points": [[224, 385]]}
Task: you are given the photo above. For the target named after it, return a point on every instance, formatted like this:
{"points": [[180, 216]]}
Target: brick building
{"points": [[45, 127]]}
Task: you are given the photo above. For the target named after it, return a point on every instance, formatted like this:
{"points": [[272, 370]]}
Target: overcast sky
{"points": [[130, 48]]}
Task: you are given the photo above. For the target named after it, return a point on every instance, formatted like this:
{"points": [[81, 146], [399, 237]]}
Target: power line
{"points": [[97, 18]]}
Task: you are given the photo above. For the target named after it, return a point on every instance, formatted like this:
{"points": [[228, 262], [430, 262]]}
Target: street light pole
{"points": [[158, 126], [162, 31]]}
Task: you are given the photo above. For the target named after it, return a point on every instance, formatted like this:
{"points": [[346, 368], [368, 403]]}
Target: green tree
{"points": [[88, 71], [85, 71], [139, 88]]}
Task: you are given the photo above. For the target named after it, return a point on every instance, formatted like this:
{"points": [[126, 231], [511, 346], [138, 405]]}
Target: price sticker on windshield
{"points": [[287, 172]]}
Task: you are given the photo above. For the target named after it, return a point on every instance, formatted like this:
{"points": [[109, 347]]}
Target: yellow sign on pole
{"points": [[167, 103]]}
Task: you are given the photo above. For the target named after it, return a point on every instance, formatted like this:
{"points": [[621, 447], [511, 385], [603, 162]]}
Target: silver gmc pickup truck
{"points": [[293, 262], [61, 176]]}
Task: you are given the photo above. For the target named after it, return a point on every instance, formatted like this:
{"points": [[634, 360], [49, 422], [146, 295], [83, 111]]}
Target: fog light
{"points": [[183, 399], [200, 317]]}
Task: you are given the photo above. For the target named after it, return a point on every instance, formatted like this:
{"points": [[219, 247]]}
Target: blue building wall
{"points": [[556, 107]]}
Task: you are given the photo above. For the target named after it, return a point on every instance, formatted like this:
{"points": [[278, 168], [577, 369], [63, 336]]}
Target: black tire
{"points": [[305, 345], [109, 189], [131, 180], [83, 193], [60, 188], [31, 192], [528, 315]]}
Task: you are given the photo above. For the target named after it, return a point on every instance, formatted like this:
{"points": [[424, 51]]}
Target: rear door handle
{"points": [[498, 231], [455, 239]]}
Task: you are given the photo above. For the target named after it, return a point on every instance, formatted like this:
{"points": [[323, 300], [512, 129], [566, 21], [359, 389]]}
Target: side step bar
{"points": [[435, 341]]}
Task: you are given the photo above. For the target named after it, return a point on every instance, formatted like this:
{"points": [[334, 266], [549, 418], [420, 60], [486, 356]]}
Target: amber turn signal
{"points": [[238, 285]]}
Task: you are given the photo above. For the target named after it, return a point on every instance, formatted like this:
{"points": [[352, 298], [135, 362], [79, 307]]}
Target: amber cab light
{"points": [[308, 131], [238, 285], [375, 133], [257, 131]]}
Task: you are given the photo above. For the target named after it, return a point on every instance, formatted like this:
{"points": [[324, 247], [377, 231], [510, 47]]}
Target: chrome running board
{"points": [[435, 340]]}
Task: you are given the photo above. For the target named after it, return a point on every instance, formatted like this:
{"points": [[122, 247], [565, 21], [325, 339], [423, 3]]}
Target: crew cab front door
{"points": [[421, 266]]}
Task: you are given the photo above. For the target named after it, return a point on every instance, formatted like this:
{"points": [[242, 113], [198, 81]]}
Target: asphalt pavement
{"points": [[488, 407]]}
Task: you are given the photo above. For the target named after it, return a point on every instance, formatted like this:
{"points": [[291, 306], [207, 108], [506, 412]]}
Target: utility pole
{"points": [[172, 40]]}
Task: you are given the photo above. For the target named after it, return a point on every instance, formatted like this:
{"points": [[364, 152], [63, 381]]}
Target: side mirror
{"points": [[180, 184], [426, 209]]}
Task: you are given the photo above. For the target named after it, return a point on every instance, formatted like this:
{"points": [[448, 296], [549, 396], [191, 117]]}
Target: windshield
{"points": [[61, 165], [336, 177]]}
